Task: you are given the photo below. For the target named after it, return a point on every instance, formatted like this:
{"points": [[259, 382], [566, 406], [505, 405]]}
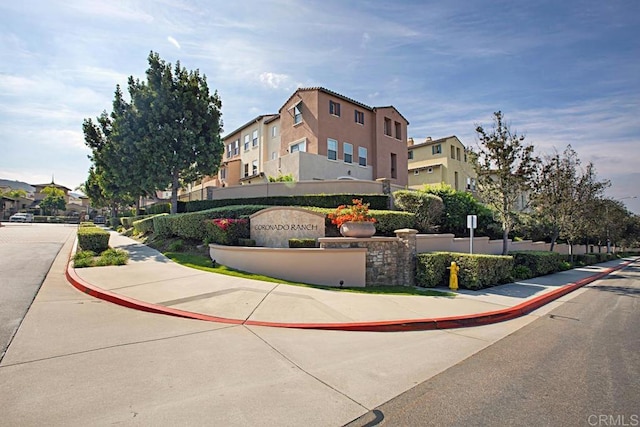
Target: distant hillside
{"points": [[17, 185]]}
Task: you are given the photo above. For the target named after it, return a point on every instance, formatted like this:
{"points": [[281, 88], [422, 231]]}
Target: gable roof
{"points": [[328, 92], [267, 117], [435, 141]]}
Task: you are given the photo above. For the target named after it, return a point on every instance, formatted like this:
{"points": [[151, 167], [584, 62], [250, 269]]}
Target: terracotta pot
{"points": [[358, 229]]}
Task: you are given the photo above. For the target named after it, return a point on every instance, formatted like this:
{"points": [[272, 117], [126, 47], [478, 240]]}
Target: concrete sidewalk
{"points": [[151, 282]]}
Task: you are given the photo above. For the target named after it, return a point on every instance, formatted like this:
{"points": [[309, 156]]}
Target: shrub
{"points": [[93, 239], [246, 242], [158, 208], [87, 224], [428, 208], [586, 259], [389, 221], [521, 272], [539, 263], [482, 271], [357, 212], [302, 243], [144, 226], [190, 225], [108, 257], [175, 246], [226, 231], [431, 269]]}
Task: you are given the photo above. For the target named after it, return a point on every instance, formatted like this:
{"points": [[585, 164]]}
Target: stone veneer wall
{"points": [[389, 260]]}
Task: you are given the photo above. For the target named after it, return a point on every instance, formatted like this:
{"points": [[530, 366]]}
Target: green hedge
{"points": [[303, 243], [539, 263], [376, 201], [158, 208], [93, 239], [476, 271], [127, 221], [191, 225], [225, 231], [87, 224], [145, 225]]}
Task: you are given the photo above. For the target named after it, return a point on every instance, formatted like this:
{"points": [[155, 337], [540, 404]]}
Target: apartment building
{"points": [[443, 160]]}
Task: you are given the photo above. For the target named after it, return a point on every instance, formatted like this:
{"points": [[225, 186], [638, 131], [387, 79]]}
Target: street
{"points": [[578, 365], [26, 254]]}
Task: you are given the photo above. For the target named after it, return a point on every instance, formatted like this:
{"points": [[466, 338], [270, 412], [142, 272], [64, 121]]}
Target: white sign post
{"points": [[472, 224]]}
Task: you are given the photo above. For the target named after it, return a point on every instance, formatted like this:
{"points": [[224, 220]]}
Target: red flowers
{"points": [[358, 212], [225, 223]]}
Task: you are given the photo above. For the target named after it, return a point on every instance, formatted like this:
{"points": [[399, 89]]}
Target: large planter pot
{"points": [[358, 229]]}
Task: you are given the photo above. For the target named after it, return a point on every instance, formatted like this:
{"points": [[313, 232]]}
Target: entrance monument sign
{"points": [[273, 227]]}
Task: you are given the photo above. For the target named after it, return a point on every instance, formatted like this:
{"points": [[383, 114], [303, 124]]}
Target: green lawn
{"points": [[202, 262]]}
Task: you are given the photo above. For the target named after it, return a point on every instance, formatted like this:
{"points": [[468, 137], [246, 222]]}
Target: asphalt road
{"points": [[26, 254], [577, 366]]}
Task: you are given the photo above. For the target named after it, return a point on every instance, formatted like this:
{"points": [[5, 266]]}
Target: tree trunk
{"points": [[505, 241], [174, 192]]}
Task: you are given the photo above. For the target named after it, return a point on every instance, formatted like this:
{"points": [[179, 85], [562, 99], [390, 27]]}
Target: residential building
{"points": [[325, 135], [39, 195], [443, 160], [317, 134]]}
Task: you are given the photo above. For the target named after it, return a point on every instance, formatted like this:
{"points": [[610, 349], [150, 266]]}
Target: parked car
{"points": [[99, 219], [21, 217]]}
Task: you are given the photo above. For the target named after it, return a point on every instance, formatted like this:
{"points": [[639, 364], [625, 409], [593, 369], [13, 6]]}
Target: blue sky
{"points": [[562, 72]]}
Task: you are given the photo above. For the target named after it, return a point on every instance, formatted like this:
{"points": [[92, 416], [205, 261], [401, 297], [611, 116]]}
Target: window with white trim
{"points": [[229, 150], [254, 142], [254, 167], [246, 142], [348, 152], [236, 147], [332, 149], [436, 149], [300, 146], [334, 108], [274, 155], [297, 113], [223, 173], [246, 170], [362, 156], [274, 131]]}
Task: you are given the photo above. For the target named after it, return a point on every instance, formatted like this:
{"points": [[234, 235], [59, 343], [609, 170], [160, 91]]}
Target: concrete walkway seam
{"points": [[452, 322]]}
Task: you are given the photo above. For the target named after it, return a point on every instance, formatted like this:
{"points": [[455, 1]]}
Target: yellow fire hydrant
{"points": [[453, 277]]}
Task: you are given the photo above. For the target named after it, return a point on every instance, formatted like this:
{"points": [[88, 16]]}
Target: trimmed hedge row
{"points": [[191, 225], [476, 271], [225, 231], [145, 225], [93, 239], [376, 201], [539, 263]]}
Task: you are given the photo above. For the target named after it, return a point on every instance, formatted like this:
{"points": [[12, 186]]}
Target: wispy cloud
{"points": [[173, 42]]}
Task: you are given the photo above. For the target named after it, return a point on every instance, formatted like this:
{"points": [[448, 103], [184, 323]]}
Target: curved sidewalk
{"points": [[153, 283]]}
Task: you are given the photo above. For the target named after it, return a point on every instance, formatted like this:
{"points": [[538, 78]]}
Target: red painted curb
{"points": [[463, 321]]}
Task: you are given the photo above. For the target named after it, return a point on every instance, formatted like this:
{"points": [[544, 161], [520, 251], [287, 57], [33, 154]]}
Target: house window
{"points": [[332, 149], [297, 113], [236, 147], [453, 152], [362, 156], [458, 153], [394, 165], [300, 146], [274, 155], [436, 149], [254, 167], [246, 142], [274, 131], [229, 150], [387, 126], [455, 179], [411, 155], [359, 117], [334, 108], [246, 169], [223, 173], [348, 152], [254, 142], [398, 128]]}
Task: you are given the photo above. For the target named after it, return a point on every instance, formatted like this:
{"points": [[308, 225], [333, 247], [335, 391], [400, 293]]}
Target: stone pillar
{"points": [[407, 256]]}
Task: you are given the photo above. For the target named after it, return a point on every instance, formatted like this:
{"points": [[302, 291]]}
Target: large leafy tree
{"points": [[176, 124], [53, 200], [506, 167]]}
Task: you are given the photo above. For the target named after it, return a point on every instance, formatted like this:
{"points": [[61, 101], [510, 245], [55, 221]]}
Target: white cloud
{"points": [[274, 80], [366, 38], [173, 42]]}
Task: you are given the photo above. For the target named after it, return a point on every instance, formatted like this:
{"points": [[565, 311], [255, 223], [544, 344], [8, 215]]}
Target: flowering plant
{"points": [[224, 223], [357, 212]]}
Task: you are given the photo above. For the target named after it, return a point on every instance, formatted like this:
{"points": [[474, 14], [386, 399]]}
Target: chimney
{"points": [[428, 139], [410, 142]]}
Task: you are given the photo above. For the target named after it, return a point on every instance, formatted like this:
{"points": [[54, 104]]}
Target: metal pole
{"points": [[471, 242]]}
